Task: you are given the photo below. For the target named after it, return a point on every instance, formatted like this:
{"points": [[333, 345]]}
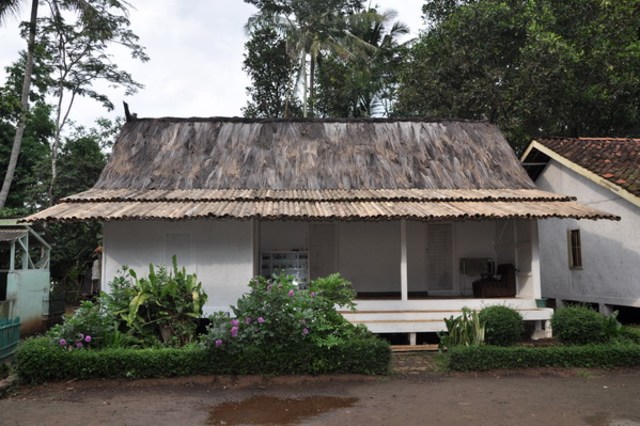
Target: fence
{"points": [[6, 308], [9, 337]]}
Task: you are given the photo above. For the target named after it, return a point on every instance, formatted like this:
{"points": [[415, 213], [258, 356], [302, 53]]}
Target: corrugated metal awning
{"points": [[206, 195], [424, 205], [8, 235]]}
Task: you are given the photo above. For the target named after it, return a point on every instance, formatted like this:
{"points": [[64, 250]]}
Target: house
{"points": [[412, 212], [583, 261], [24, 275]]}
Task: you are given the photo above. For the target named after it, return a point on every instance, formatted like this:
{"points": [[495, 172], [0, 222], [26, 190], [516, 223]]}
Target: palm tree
{"points": [[7, 7], [380, 31], [363, 84], [308, 32]]}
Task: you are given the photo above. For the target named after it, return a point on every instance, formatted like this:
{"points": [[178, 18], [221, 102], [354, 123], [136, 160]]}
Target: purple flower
{"points": [[235, 322], [218, 343], [87, 338], [234, 331], [78, 345], [260, 320], [305, 331], [291, 292], [247, 320], [312, 294], [62, 342], [269, 287]]}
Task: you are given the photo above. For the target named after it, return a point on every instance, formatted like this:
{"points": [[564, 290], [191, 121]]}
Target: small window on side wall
{"points": [[575, 249]]}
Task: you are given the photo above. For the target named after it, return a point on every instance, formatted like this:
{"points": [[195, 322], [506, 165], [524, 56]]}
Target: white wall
{"points": [[610, 249], [284, 236], [219, 252]]}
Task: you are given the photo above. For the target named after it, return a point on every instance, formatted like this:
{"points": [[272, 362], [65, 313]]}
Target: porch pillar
{"points": [[12, 258], [535, 261], [404, 287]]}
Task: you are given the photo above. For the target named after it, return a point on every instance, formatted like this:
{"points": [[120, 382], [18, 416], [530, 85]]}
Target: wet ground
{"points": [[414, 395]]}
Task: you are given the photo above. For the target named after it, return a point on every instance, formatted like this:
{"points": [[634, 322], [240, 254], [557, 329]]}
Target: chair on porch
{"points": [[501, 285]]}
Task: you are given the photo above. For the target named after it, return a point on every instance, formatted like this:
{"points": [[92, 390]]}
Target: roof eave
{"points": [[582, 171]]}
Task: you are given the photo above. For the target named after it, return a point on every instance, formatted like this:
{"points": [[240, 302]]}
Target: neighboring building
{"points": [[24, 275], [412, 212], [584, 261]]}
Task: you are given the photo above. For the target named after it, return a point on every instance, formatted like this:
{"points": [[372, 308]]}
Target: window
{"points": [[575, 249]]}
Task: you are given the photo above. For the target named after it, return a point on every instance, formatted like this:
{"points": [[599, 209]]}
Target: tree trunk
{"points": [[24, 100], [305, 88], [312, 71]]}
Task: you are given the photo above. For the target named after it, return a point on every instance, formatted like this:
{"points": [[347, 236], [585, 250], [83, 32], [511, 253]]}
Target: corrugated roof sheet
{"points": [[614, 159], [357, 210], [12, 234], [206, 195]]}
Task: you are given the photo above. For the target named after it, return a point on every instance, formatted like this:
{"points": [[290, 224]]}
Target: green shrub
{"points": [[335, 289], [160, 308], [40, 360], [88, 326], [630, 334], [588, 356], [503, 325], [275, 315], [465, 329], [580, 325]]}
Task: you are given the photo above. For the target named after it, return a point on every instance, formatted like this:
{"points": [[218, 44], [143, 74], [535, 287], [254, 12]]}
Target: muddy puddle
{"points": [[268, 410]]}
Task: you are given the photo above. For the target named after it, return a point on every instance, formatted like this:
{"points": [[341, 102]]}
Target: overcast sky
{"points": [[196, 49]]}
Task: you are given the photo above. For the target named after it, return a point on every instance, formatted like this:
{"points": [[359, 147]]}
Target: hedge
{"points": [[469, 358], [39, 360]]}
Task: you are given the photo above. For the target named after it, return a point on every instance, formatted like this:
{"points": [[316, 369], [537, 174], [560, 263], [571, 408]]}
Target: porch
{"points": [[426, 315], [410, 275]]}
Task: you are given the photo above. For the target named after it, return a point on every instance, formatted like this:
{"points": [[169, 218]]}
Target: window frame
{"points": [[574, 245]]}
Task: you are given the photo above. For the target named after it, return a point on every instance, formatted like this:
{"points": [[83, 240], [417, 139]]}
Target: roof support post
{"points": [[12, 254], [24, 243], [404, 287], [535, 261]]}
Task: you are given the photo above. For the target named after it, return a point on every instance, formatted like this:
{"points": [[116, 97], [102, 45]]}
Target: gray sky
{"points": [[196, 49]]}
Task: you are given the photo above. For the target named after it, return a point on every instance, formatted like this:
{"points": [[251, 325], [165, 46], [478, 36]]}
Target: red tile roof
{"points": [[615, 159]]}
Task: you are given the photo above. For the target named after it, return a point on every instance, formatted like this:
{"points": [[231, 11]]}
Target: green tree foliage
{"points": [[309, 27], [81, 162], [28, 191], [534, 68], [270, 68], [363, 83], [79, 55]]}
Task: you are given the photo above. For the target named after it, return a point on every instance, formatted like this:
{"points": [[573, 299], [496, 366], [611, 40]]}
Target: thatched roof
{"points": [[223, 153], [174, 168]]}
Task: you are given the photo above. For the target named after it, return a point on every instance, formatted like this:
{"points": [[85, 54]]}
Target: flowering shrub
{"points": [[276, 315], [89, 321], [80, 341]]}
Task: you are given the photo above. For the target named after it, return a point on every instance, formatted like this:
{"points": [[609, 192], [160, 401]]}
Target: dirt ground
{"points": [[413, 395]]}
